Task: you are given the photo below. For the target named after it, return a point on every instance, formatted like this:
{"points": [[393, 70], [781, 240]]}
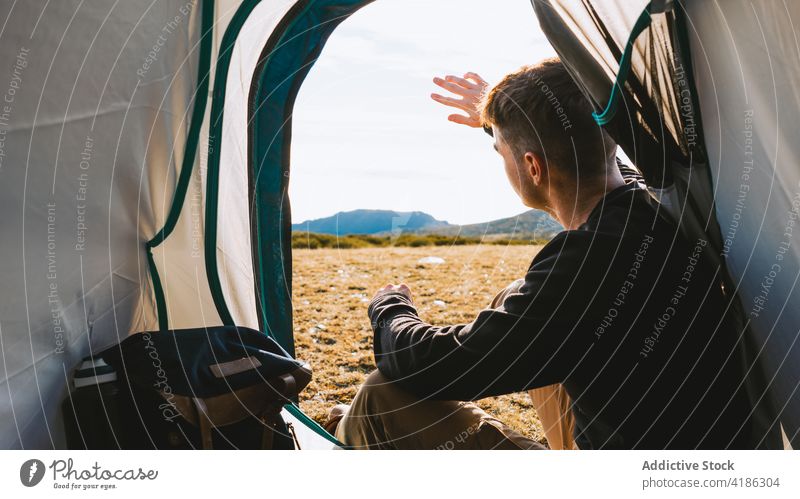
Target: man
{"points": [[619, 308]]}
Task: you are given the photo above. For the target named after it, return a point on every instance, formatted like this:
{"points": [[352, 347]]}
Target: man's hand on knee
{"points": [[394, 288]]}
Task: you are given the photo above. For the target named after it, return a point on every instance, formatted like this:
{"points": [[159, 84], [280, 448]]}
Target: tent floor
{"points": [[309, 440]]}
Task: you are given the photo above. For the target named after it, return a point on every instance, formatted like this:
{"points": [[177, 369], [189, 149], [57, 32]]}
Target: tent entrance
{"points": [[284, 60]]}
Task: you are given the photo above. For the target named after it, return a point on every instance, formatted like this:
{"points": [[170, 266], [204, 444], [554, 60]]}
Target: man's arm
{"points": [[519, 347]]}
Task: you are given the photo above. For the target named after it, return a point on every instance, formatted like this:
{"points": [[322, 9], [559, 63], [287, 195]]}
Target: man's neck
{"points": [[572, 209]]}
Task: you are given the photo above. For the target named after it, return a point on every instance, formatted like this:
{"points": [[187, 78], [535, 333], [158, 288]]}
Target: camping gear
{"points": [[226, 385], [144, 168], [93, 412], [222, 387]]}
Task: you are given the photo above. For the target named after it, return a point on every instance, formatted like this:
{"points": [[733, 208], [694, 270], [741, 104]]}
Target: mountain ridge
{"points": [[534, 224]]}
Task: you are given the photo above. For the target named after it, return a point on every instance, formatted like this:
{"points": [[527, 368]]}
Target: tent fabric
{"points": [[96, 132], [654, 121], [114, 145], [91, 146], [681, 69], [745, 60], [285, 60], [232, 272], [273, 22], [284, 63], [186, 169]]}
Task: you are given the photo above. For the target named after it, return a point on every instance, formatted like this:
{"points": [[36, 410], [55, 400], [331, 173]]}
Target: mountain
{"points": [[533, 224], [530, 224], [371, 222]]}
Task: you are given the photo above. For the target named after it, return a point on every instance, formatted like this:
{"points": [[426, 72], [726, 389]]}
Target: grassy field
{"points": [[332, 288], [311, 240]]}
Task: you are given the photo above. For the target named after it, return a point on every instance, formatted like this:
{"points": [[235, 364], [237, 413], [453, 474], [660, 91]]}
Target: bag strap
{"points": [[264, 401], [205, 423], [268, 435]]}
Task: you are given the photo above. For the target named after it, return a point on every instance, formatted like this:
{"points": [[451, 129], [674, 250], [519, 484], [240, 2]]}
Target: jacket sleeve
{"points": [[522, 345]]}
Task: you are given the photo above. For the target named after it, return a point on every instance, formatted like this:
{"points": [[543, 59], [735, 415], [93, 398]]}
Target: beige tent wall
{"points": [[98, 103], [234, 253], [91, 141]]}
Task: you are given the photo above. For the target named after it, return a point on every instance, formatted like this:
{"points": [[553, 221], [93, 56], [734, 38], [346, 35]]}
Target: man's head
{"points": [[545, 132]]}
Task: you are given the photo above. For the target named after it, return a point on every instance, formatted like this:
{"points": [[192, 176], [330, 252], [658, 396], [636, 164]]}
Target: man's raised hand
{"points": [[470, 88]]}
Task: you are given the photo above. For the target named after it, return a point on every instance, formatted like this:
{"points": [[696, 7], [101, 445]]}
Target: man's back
{"points": [[659, 364], [623, 311]]}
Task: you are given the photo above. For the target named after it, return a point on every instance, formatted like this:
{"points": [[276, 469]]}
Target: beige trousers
{"points": [[385, 416]]}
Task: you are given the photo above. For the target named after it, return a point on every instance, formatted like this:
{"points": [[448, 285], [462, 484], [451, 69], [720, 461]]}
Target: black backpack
{"points": [[218, 387]]}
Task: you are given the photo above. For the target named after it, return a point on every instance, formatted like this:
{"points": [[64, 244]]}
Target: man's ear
{"points": [[536, 166]]}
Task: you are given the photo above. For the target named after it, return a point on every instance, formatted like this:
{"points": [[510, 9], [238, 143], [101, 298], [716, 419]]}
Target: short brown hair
{"points": [[539, 108]]}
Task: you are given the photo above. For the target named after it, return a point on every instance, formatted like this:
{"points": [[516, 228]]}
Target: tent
{"points": [[144, 167], [694, 93]]}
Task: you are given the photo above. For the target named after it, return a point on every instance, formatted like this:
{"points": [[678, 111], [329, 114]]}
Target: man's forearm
{"points": [[393, 318], [412, 351], [493, 355]]}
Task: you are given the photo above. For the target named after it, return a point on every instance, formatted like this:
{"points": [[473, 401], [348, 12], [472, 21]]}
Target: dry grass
{"points": [[332, 289]]}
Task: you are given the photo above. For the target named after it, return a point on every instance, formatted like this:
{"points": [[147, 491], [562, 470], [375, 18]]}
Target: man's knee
{"points": [[375, 386], [375, 379], [512, 288], [377, 399], [378, 394]]}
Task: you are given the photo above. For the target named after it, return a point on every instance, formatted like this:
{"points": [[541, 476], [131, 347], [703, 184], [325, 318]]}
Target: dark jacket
{"points": [[623, 311]]}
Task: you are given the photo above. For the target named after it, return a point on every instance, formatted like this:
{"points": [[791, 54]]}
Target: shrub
{"points": [[311, 240]]}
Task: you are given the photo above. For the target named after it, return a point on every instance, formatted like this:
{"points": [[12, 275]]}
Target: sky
{"points": [[366, 133]]}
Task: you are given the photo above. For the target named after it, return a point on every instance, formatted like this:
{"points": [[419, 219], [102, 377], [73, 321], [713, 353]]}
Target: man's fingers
{"points": [[452, 87], [389, 288], [464, 120], [461, 81], [476, 78], [449, 101], [382, 290]]}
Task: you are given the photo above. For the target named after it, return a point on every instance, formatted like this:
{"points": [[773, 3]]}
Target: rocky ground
{"points": [[332, 289]]}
